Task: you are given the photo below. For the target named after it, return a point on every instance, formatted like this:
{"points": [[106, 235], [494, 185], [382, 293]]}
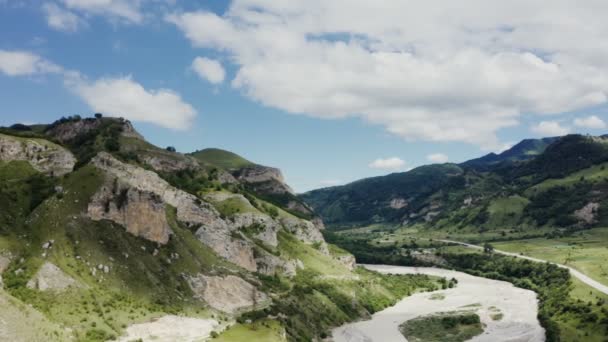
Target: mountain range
{"points": [[557, 182]]}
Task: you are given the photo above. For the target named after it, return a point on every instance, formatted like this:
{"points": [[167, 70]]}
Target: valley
{"points": [[502, 216]]}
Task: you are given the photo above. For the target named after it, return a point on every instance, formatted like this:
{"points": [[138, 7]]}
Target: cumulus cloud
{"points": [[393, 163], [422, 69], [437, 158], [126, 98], [592, 122], [124, 10], [209, 69], [550, 129], [61, 19], [23, 63]]}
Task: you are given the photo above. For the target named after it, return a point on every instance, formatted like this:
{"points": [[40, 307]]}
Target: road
{"points": [[581, 276]]}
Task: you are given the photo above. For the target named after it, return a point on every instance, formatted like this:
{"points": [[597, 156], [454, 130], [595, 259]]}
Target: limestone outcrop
{"points": [[305, 231], [229, 294], [263, 227], [69, 130], [190, 209], [142, 213], [269, 264], [212, 230], [587, 214], [51, 278], [43, 155], [231, 246], [163, 161], [347, 260]]}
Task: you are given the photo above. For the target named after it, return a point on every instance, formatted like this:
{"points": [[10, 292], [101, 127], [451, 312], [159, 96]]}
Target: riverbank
{"points": [[484, 296]]}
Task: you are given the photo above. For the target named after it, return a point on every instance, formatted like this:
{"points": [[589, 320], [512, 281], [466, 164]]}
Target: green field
{"points": [[586, 251], [265, 330]]}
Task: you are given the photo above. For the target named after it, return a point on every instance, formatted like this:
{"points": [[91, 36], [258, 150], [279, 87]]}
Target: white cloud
{"points": [[129, 99], [209, 69], [549, 129], [592, 122], [422, 69], [437, 158], [124, 10], [393, 163], [23, 63], [61, 19]]}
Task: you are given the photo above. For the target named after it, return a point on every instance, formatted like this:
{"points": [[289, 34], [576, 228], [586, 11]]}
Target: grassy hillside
{"points": [[221, 158], [119, 279]]}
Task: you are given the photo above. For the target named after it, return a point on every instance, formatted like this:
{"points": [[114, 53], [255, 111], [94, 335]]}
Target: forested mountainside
{"points": [[553, 182], [101, 230]]}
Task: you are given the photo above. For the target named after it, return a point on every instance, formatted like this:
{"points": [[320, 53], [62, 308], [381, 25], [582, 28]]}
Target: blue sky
{"points": [[329, 93]]}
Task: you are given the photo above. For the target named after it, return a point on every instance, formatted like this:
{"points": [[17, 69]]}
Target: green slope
{"points": [[221, 158]]}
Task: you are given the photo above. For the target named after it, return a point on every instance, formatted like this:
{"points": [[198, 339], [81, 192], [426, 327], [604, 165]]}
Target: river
{"points": [[486, 296]]}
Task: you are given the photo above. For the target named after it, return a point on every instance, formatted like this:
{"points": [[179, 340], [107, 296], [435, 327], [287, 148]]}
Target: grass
{"points": [[139, 286], [312, 259], [443, 327], [264, 330], [221, 158], [234, 205], [586, 251], [595, 173], [506, 212]]}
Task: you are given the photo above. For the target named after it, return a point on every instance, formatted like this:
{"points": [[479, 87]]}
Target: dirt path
{"points": [[578, 274], [484, 296]]}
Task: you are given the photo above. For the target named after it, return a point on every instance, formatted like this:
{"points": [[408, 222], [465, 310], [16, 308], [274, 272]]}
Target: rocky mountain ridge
{"points": [[95, 214]]}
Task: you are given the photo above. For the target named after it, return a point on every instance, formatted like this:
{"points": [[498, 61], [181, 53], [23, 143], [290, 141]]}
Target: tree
{"points": [[170, 149], [98, 115], [488, 248]]}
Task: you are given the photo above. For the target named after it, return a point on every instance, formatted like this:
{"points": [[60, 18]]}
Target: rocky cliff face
{"points": [[67, 131], [230, 294], [142, 213], [43, 155], [267, 179]]}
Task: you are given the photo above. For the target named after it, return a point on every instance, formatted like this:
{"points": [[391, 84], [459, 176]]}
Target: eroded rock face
{"points": [[259, 174], [305, 231], [166, 162], [43, 155], [234, 249], [348, 261], [142, 213], [51, 278], [265, 227], [587, 213], [69, 130], [268, 180], [269, 264], [398, 203], [190, 209], [213, 231], [229, 294]]}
